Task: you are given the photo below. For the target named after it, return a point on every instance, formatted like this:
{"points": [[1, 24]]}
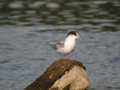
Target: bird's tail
{"points": [[53, 44]]}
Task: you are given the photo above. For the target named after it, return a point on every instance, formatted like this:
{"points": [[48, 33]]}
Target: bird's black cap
{"points": [[72, 33]]}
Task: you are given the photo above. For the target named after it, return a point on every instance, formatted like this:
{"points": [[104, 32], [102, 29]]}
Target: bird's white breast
{"points": [[69, 44]]}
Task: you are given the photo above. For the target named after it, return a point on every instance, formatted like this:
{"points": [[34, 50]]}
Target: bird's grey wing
{"points": [[57, 45], [60, 44]]}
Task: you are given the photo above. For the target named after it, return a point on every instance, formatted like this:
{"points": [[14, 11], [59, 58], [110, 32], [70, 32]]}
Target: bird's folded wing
{"points": [[60, 44], [57, 45]]}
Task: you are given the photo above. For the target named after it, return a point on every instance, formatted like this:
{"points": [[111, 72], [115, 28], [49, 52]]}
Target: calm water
{"points": [[27, 25]]}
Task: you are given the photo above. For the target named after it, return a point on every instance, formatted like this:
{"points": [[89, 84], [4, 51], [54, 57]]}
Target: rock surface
{"points": [[63, 74]]}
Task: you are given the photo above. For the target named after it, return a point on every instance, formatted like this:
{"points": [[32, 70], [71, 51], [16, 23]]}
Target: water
{"points": [[27, 26]]}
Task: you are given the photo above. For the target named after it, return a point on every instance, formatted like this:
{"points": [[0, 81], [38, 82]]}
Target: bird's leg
{"points": [[62, 56]]}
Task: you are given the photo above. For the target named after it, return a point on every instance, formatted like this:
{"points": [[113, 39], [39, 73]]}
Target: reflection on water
{"points": [[97, 14], [27, 25]]}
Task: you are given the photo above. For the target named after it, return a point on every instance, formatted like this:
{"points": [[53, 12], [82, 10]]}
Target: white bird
{"points": [[66, 46]]}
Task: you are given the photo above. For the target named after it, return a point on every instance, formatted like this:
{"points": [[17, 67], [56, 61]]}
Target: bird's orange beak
{"points": [[79, 37]]}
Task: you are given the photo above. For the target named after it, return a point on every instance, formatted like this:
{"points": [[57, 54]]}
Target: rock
{"points": [[63, 74]]}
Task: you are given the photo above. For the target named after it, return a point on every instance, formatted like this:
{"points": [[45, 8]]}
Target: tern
{"points": [[66, 46]]}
